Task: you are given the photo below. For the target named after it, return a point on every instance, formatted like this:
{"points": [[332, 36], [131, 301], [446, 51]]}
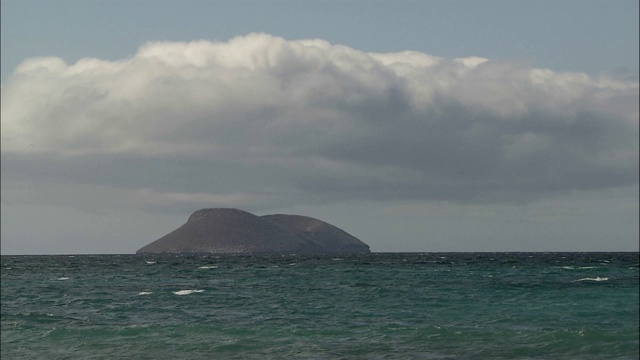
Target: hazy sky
{"points": [[413, 125]]}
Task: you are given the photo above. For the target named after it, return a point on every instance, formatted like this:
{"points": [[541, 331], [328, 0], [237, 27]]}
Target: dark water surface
{"points": [[391, 306]]}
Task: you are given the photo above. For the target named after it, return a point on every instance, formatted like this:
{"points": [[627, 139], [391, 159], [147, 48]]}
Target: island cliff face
{"points": [[233, 231]]}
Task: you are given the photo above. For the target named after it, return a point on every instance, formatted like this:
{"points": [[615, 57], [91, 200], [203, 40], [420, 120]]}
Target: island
{"points": [[233, 231]]}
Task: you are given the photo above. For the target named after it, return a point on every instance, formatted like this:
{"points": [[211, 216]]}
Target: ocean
{"points": [[376, 306]]}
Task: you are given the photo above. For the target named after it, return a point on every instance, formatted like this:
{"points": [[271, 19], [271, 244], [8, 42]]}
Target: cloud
{"points": [[260, 120]]}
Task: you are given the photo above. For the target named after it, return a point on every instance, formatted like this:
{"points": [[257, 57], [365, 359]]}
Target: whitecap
{"points": [[187, 292], [208, 267], [594, 279], [568, 267], [62, 278], [145, 293], [150, 262]]}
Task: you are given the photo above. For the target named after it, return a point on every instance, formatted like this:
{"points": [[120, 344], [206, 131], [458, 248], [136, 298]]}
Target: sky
{"points": [[412, 125]]}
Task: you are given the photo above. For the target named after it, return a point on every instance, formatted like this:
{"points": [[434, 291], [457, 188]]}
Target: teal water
{"points": [[390, 306]]}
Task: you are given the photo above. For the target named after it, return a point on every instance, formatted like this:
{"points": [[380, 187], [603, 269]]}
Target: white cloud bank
{"points": [[260, 117]]}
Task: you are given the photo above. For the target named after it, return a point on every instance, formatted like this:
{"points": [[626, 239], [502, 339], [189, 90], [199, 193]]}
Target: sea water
{"points": [[377, 306]]}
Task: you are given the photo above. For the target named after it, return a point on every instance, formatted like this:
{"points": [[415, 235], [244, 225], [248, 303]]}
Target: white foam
{"points": [[568, 267], [145, 293], [208, 267], [62, 278], [150, 262], [187, 292], [594, 279]]}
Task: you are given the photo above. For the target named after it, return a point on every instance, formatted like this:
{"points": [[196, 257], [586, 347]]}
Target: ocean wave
{"points": [[208, 267], [187, 292], [594, 279], [374, 306], [62, 278]]}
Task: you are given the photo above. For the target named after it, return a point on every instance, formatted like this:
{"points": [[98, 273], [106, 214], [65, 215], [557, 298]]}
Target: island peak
{"points": [[228, 230]]}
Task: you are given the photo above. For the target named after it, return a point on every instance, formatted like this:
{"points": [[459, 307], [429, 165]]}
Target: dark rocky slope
{"points": [[225, 231]]}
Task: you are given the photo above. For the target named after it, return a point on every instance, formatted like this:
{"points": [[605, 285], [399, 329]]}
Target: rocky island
{"points": [[233, 231]]}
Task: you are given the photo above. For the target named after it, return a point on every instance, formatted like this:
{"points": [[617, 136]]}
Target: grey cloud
{"points": [[261, 120], [466, 154]]}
